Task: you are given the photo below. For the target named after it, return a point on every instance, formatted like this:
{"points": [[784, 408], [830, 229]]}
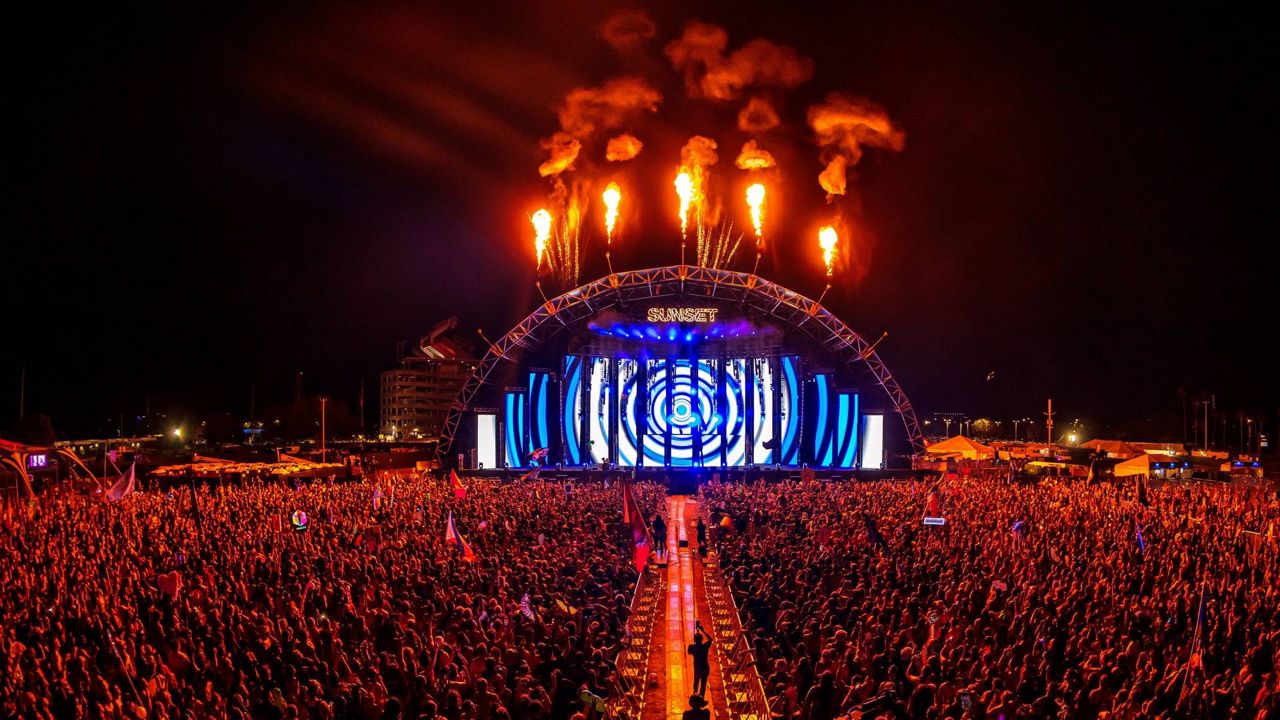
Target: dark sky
{"points": [[208, 200]]}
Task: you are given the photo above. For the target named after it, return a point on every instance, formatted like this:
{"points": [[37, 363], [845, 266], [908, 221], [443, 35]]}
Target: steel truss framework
{"points": [[16, 460], [795, 311]]}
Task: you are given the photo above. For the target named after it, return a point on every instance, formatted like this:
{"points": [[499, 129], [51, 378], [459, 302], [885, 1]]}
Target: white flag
{"points": [[124, 486]]}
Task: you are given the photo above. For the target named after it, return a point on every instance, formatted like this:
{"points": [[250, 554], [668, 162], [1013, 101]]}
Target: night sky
{"points": [[205, 201]]}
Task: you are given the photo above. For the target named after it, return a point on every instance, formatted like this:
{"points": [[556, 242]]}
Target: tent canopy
{"points": [[961, 446], [1140, 465], [1113, 448]]}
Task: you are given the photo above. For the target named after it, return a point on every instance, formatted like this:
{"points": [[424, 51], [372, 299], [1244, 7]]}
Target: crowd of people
{"points": [[1063, 599], [323, 601]]}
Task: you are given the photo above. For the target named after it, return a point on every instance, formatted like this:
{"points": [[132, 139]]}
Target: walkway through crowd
{"points": [[686, 612]]}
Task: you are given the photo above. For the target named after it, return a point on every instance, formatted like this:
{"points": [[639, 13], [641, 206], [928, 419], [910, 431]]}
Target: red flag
{"points": [[933, 507], [640, 556], [639, 528], [459, 490], [453, 537]]}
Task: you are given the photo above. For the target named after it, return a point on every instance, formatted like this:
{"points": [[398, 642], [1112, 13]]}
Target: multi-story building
{"points": [[417, 394]]}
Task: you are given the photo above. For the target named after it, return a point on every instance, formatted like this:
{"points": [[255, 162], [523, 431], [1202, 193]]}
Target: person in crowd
{"points": [[697, 709], [702, 538], [660, 535]]}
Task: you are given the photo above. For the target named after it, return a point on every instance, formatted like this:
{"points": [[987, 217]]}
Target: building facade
{"points": [[416, 395]]}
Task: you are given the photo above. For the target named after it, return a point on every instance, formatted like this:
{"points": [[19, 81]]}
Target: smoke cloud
{"points": [[753, 157], [623, 147], [700, 47], [563, 149], [833, 178], [607, 107], [587, 110], [628, 30], [757, 116], [700, 55], [846, 125], [698, 153]]}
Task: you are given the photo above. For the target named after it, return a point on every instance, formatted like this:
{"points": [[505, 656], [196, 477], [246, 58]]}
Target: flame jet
{"points": [[611, 197], [541, 233], [684, 190], [755, 201], [827, 239]]}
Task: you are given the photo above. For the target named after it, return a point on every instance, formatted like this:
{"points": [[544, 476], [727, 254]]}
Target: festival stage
{"points": [[684, 372]]}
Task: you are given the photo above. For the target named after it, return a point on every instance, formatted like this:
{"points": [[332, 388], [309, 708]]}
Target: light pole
{"points": [[323, 402], [1049, 429]]}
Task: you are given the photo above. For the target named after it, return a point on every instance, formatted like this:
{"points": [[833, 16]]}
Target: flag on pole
{"points": [[1196, 659], [125, 485], [539, 454], [527, 477], [378, 497], [459, 490], [453, 537], [1137, 536], [639, 528]]}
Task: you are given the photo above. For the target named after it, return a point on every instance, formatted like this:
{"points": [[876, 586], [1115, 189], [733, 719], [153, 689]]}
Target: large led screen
{"points": [[681, 412]]}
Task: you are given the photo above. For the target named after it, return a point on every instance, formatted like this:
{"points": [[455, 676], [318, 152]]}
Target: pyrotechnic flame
{"points": [[827, 239], [697, 155], [684, 189], [755, 201], [541, 233], [612, 196]]}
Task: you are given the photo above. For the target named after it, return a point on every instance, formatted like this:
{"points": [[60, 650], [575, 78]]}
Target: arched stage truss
{"points": [[796, 311], [14, 456]]}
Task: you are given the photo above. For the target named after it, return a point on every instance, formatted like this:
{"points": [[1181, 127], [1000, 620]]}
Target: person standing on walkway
{"points": [[700, 650], [660, 535]]}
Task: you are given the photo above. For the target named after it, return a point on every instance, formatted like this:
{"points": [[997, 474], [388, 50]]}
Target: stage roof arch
{"points": [[619, 289]]}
